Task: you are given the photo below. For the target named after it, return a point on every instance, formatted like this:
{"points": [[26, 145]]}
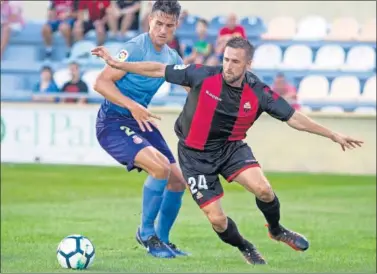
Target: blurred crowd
{"points": [[115, 20]]}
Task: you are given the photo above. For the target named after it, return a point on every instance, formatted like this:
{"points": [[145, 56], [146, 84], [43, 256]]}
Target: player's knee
{"points": [[160, 171], [176, 182], [264, 192], [218, 220]]}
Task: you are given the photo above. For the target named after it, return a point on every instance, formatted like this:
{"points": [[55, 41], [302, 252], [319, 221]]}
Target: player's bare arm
{"points": [[105, 85], [149, 69], [302, 122]]}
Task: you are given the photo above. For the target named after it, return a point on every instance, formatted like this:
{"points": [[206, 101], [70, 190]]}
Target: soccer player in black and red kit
{"points": [[222, 104]]}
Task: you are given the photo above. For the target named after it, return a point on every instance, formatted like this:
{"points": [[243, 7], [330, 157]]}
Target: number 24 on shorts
{"points": [[196, 185]]}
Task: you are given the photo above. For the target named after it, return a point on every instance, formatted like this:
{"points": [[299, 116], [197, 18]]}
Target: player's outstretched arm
{"points": [[302, 122], [149, 69]]}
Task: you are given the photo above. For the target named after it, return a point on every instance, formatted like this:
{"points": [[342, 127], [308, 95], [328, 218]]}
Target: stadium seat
{"points": [[312, 28], [305, 109], [343, 29], [267, 56], [254, 26], [22, 54], [369, 92], [113, 47], [329, 57], [313, 87], [163, 90], [280, 28], [62, 76], [365, 110], [344, 89], [360, 58], [216, 24], [89, 77], [11, 83], [332, 109], [368, 31], [297, 57], [81, 51], [188, 25]]}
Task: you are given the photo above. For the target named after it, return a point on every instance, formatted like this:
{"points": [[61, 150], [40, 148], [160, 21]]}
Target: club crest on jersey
{"points": [[137, 139], [247, 107], [123, 55], [180, 67]]}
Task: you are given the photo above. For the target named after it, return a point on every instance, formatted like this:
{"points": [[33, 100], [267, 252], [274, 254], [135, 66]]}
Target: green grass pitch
{"points": [[42, 204]]}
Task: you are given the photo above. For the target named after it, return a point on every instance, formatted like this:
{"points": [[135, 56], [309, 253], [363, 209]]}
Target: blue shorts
{"points": [[122, 138], [54, 25]]}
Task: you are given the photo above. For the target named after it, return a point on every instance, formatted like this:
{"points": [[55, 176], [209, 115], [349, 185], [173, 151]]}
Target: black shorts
{"points": [[201, 169]]}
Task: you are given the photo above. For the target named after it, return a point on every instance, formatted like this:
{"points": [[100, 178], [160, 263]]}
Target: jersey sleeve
{"points": [[131, 52], [275, 105], [184, 75]]}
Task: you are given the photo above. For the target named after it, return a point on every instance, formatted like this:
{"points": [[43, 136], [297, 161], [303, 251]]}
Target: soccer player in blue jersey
{"points": [[126, 132]]}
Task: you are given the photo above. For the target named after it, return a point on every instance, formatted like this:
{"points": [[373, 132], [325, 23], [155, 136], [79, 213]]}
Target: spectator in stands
{"points": [[175, 44], [97, 11], [123, 16], [11, 19], [231, 29], [46, 84], [286, 90], [75, 85], [213, 60], [145, 20], [61, 16], [202, 47]]}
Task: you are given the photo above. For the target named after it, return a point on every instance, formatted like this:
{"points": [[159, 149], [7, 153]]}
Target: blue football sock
{"points": [[171, 204], [153, 191]]}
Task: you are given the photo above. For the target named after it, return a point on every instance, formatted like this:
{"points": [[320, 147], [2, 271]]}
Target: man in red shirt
{"points": [[61, 16], [230, 30], [286, 90], [97, 19]]}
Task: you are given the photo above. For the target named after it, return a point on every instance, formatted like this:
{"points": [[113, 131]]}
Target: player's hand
{"points": [[346, 142], [143, 117], [103, 53]]}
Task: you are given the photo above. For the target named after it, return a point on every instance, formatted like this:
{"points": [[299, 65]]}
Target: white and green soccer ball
{"points": [[75, 252]]}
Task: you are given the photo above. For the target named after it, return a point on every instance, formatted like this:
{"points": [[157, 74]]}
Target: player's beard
{"points": [[231, 79]]}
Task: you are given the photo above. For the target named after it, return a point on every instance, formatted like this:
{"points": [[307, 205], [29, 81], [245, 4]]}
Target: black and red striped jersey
{"points": [[215, 112]]}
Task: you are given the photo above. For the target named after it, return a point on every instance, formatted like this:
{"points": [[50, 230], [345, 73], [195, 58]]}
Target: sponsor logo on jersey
{"points": [[180, 67], [213, 96], [123, 55], [199, 195]]}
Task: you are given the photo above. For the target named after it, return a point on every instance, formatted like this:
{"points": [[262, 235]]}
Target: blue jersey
{"points": [[136, 87]]}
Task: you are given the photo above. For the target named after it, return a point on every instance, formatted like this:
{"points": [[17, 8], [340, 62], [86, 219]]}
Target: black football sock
{"points": [[231, 235], [271, 211]]}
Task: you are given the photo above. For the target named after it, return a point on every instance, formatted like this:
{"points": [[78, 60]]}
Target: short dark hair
{"points": [[203, 21], [241, 43], [48, 68], [171, 7]]}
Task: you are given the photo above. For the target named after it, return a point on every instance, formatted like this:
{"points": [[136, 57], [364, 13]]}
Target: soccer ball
{"points": [[76, 252]]}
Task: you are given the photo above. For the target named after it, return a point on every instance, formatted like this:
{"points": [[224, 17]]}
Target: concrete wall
{"points": [[267, 9]]}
